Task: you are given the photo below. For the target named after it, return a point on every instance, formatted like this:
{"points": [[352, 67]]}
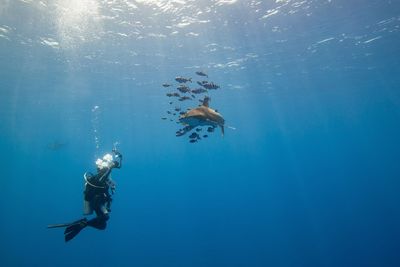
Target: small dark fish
{"points": [[174, 114], [163, 118], [184, 130], [202, 83], [199, 91], [193, 135], [210, 129], [169, 112], [182, 112], [198, 129], [183, 98], [201, 73], [166, 85], [180, 79], [193, 96], [177, 109], [205, 136], [173, 94], [179, 133], [183, 88], [170, 102], [210, 86], [193, 141]]}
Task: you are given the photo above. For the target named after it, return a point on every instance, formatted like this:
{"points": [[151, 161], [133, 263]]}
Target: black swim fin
{"points": [[73, 229], [60, 225]]}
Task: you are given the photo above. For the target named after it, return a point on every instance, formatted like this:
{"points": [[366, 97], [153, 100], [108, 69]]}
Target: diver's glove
{"points": [[116, 152], [118, 155]]}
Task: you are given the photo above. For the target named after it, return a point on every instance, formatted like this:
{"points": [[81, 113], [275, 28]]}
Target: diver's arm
{"points": [[117, 164]]}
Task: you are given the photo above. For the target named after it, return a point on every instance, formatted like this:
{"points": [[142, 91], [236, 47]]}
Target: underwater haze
{"points": [[306, 174]]}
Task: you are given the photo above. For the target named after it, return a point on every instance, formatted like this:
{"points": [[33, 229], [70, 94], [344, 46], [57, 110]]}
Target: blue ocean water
{"points": [[309, 176]]}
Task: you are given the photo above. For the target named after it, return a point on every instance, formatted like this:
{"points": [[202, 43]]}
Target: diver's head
{"points": [[106, 162]]}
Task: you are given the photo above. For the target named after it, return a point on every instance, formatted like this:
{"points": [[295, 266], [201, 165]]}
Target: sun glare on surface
{"points": [[77, 21], [157, 2]]}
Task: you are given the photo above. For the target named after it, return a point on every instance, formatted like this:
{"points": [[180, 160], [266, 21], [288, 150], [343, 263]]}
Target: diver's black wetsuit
{"points": [[97, 193], [97, 198]]}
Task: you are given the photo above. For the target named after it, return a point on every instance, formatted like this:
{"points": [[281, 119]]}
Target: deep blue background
{"points": [[308, 178]]}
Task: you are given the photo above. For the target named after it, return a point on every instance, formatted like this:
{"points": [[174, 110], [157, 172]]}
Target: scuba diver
{"points": [[99, 188]]}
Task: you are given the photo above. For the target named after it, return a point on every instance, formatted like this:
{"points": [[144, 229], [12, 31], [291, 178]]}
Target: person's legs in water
{"points": [[99, 222], [100, 205]]}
